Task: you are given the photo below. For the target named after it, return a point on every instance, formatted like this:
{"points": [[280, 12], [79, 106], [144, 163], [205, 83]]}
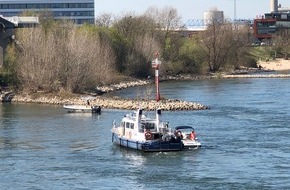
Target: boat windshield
{"points": [[186, 130], [147, 126]]}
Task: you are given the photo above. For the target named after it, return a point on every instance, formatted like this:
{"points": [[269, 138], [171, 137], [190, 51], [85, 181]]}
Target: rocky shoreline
{"points": [[122, 85], [131, 104], [116, 103]]}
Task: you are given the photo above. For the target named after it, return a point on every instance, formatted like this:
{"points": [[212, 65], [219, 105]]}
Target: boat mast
{"points": [[155, 64]]}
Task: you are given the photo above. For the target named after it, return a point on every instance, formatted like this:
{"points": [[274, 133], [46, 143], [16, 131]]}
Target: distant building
{"points": [[7, 30], [278, 19], [78, 11], [270, 24]]}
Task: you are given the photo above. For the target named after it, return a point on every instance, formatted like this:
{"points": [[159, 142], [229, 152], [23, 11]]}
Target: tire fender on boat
{"points": [[148, 135]]}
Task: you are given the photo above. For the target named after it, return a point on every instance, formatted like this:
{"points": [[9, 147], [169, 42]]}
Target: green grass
{"points": [[260, 53]]}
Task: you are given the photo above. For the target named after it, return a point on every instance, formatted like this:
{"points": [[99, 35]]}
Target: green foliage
{"points": [[192, 56], [173, 43], [138, 66], [250, 62], [9, 69], [133, 40], [10, 58], [172, 68], [120, 46], [7, 80], [261, 53], [189, 58]]}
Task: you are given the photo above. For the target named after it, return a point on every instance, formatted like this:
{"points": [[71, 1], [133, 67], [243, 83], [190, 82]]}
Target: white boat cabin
{"points": [[139, 127]]}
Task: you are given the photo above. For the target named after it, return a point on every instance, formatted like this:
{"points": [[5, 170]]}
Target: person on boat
{"points": [[88, 103], [192, 135], [178, 134], [166, 125]]}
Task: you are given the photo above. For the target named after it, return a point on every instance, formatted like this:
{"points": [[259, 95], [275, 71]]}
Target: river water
{"points": [[245, 140]]}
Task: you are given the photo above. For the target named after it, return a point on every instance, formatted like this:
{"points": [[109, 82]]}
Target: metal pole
{"points": [[157, 81], [235, 10], [155, 64]]}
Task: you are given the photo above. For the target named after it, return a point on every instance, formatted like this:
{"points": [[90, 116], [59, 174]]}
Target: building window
{"points": [[47, 6], [73, 5], [78, 13], [5, 6]]}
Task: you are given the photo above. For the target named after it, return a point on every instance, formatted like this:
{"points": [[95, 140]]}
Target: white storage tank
{"points": [[273, 6], [210, 16]]}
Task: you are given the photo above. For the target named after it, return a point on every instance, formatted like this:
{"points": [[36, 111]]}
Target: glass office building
{"points": [[78, 11]]}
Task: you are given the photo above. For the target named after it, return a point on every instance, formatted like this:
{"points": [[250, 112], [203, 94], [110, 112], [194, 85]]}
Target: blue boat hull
{"points": [[148, 146]]}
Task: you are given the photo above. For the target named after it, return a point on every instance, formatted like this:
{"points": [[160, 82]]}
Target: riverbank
{"points": [[132, 104], [257, 76], [110, 102]]}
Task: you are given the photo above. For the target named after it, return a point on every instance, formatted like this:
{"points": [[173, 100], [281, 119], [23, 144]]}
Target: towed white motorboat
{"points": [[137, 131], [188, 136]]}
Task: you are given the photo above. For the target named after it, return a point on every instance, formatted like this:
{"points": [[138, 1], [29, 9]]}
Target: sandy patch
{"points": [[277, 65]]}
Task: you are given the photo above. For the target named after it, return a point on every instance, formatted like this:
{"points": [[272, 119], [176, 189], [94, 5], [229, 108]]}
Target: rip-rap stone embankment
{"points": [[116, 103]]}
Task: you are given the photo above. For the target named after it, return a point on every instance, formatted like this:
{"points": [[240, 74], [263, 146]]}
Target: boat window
{"points": [[141, 129], [132, 126], [148, 125], [122, 124], [127, 125]]}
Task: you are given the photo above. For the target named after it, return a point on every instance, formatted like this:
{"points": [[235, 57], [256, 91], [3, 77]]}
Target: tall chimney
{"points": [[273, 6]]}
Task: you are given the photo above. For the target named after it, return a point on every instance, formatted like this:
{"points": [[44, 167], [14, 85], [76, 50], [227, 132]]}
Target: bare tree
{"points": [[220, 41], [104, 20], [167, 18], [63, 57], [89, 61], [168, 21], [34, 63]]}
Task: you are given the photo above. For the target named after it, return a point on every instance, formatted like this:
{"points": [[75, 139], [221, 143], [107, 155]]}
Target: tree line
{"points": [[58, 55]]}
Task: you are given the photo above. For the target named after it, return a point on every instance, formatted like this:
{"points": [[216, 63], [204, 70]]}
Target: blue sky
{"points": [[190, 9]]}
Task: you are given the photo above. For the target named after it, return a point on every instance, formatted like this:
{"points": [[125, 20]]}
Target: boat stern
{"points": [[191, 144]]}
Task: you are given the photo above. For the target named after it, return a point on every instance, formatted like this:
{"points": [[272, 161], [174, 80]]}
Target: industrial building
{"points": [[78, 11], [278, 19]]}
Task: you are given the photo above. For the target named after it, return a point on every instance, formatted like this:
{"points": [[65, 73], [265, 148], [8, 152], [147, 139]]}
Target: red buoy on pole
{"points": [[155, 64]]}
